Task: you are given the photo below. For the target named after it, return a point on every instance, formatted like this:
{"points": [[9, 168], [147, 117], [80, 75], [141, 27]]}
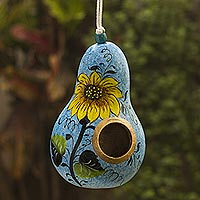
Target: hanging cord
{"points": [[99, 15]]}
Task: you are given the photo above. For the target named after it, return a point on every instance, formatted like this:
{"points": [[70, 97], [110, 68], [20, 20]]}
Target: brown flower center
{"points": [[93, 92]]}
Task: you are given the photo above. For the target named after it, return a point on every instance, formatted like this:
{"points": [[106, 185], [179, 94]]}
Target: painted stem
{"points": [[80, 137]]}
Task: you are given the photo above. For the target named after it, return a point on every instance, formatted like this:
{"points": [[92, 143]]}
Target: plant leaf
{"points": [[86, 172], [59, 142], [73, 8]]}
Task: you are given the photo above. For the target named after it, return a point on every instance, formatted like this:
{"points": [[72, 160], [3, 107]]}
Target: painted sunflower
{"points": [[95, 97]]}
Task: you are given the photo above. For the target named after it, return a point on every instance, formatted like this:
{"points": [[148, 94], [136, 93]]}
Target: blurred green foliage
{"points": [[66, 12], [12, 13], [161, 40]]}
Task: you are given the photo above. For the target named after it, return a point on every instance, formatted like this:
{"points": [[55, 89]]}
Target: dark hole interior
{"points": [[115, 140]]}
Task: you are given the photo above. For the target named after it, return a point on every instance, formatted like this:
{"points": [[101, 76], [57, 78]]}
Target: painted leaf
{"points": [[57, 158], [59, 142], [94, 67], [86, 172]]}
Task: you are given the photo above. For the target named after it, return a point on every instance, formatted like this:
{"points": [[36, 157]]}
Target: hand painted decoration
{"points": [[98, 140]]}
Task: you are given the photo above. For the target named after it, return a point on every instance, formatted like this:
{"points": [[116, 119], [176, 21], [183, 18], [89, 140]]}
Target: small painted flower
{"points": [[95, 97]]}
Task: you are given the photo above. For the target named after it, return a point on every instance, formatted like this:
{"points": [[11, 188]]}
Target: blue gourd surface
{"points": [[102, 90]]}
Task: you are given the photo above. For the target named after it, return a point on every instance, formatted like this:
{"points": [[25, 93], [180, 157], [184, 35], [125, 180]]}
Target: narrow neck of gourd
{"points": [[101, 38]]}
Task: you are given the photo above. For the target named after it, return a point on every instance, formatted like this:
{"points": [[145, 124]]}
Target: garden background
{"points": [[41, 43]]}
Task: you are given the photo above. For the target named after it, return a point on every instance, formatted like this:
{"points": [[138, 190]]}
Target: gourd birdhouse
{"points": [[97, 140]]}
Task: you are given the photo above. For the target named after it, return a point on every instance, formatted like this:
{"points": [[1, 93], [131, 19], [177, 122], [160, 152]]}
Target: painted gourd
{"points": [[98, 140]]}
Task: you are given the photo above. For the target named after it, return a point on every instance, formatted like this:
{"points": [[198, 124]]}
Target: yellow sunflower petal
{"points": [[77, 106], [83, 79], [108, 82], [76, 99], [104, 110], [93, 111], [113, 104], [114, 91], [82, 111], [95, 78], [79, 88]]}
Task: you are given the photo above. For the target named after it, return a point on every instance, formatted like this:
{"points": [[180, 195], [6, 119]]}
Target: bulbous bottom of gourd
{"points": [[103, 156]]}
